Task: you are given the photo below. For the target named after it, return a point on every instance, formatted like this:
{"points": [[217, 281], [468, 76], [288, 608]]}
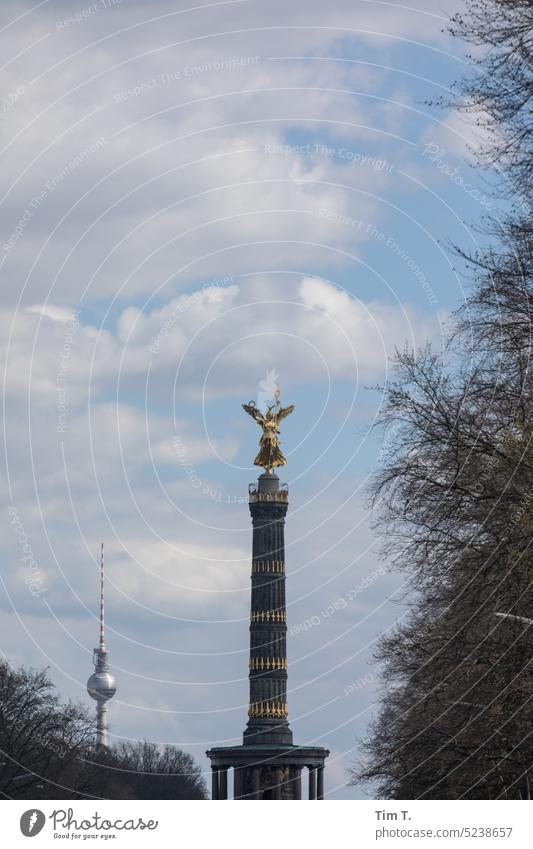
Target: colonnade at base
{"points": [[267, 772], [279, 789]]}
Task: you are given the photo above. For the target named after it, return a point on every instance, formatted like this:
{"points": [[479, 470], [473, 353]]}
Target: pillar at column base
{"points": [[267, 732]]}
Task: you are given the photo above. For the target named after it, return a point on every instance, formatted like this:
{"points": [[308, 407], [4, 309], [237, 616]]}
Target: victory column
{"points": [[268, 765]]}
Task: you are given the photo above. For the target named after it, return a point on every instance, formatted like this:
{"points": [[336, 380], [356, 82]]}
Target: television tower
{"points": [[101, 685]]}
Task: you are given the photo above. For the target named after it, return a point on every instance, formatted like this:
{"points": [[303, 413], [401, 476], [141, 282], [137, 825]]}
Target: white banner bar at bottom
{"points": [[247, 825]]}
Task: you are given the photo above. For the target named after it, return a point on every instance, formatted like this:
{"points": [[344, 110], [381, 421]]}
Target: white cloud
{"points": [[198, 176], [54, 313], [118, 203]]}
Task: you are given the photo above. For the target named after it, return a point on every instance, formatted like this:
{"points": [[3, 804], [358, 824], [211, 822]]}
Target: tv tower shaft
{"points": [[101, 686]]}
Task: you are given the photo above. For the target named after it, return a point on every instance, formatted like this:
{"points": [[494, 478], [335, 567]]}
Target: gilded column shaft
{"points": [[268, 709]]}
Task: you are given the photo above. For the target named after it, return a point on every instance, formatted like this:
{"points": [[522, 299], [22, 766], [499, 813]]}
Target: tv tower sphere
{"points": [[101, 685]]}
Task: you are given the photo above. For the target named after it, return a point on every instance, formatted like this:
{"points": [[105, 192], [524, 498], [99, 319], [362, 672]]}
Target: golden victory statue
{"points": [[270, 454]]}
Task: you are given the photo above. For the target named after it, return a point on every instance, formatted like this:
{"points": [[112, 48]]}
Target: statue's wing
{"points": [[284, 412], [252, 411]]}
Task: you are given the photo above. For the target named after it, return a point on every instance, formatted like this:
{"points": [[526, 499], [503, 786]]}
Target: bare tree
{"points": [[500, 94], [456, 496], [48, 751], [455, 491], [43, 744], [146, 771]]}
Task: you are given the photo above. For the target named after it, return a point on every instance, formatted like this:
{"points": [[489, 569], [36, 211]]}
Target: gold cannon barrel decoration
{"points": [[268, 566], [278, 710], [267, 663], [268, 616]]}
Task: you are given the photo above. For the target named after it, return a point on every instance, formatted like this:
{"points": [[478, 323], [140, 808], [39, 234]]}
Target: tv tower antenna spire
{"points": [[101, 685]]}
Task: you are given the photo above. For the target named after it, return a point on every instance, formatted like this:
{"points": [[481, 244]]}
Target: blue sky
{"points": [[193, 198]]}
